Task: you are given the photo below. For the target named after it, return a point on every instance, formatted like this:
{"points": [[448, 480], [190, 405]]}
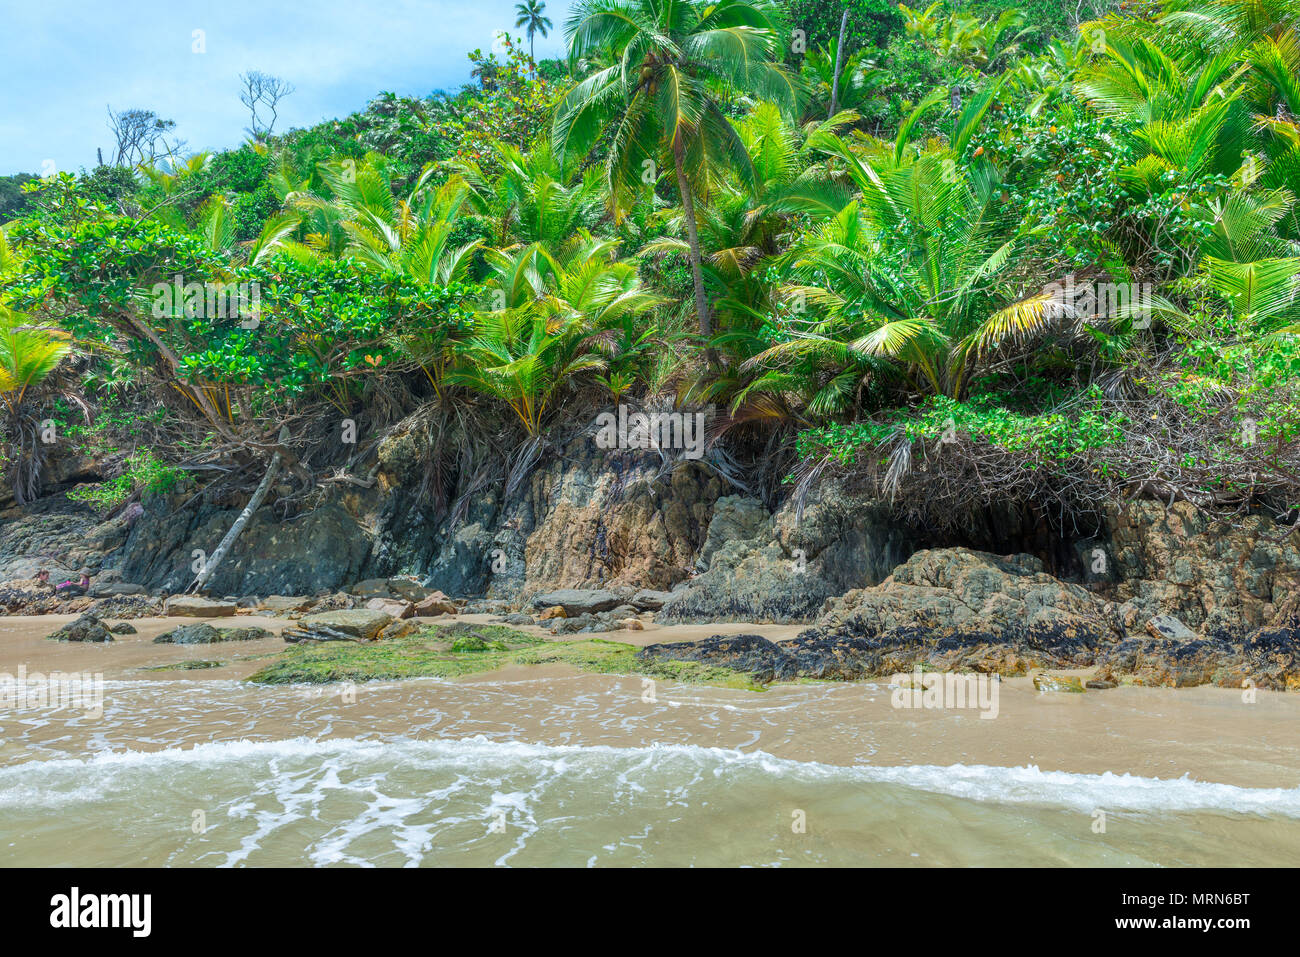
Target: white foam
{"points": [[76, 780]]}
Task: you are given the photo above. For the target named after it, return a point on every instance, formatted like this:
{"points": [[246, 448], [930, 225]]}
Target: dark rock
{"points": [[113, 589], [123, 628], [322, 548], [579, 601], [247, 633], [285, 604], [647, 599], [85, 628], [201, 633], [764, 660]]}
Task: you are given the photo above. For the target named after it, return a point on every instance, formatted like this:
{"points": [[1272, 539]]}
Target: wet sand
{"points": [[1211, 734], [549, 766]]}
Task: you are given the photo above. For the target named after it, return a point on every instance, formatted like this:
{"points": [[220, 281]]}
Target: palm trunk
{"points": [[693, 239], [839, 62], [532, 54]]}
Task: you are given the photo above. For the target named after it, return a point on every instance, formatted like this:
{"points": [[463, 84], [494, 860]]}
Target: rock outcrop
{"points": [[201, 633], [1218, 577], [85, 628], [761, 567]]}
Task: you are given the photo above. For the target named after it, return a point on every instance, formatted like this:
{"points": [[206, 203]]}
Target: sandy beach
{"points": [[338, 774]]}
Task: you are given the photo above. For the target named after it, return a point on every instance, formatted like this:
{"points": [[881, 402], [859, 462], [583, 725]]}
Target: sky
{"points": [[66, 61]]}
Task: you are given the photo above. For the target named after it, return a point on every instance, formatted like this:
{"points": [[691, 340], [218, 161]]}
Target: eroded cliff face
{"points": [[627, 520], [1212, 574]]}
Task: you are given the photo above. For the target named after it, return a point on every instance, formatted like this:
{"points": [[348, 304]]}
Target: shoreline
{"points": [[1207, 733]]}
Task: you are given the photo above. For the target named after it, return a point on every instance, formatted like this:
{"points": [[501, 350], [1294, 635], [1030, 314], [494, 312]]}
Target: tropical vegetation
{"points": [[968, 253]]}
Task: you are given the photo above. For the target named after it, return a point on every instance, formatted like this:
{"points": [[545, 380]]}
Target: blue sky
{"points": [[65, 61]]}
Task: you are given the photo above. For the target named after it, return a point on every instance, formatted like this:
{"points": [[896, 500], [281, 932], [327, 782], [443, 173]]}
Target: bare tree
{"points": [[262, 94], [141, 136]]}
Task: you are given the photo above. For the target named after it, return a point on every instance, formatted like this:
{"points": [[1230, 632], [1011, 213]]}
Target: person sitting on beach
{"points": [[71, 589]]}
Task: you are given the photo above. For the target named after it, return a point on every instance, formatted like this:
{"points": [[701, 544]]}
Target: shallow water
{"points": [[551, 767]]}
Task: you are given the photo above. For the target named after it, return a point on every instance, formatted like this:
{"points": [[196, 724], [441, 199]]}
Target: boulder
{"points": [[647, 599], [123, 628], [1167, 626], [336, 601], [191, 606], [392, 606], [362, 623], [579, 601], [371, 588], [575, 625], [85, 628], [409, 590], [285, 604], [400, 629], [201, 633], [555, 611], [1067, 683], [435, 604]]}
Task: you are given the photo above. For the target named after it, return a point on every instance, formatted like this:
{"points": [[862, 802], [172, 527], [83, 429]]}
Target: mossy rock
{"points": [[476, 643], [197, 665], [454, 650], [1068, 684]]}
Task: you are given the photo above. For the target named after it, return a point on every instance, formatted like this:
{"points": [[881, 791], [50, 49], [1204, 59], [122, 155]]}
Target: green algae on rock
{"points": [[455, 650]]}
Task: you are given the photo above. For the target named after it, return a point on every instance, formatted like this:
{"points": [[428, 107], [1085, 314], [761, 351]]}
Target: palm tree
{"points": [[557, 311], [913, 273], [530, 198], [742, 226], [28, 353], [411, 236], [532, 20], [662, 99], [848, 89]]}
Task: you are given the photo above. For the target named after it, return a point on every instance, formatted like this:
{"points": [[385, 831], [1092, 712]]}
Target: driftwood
{"points": [[214, 560]]}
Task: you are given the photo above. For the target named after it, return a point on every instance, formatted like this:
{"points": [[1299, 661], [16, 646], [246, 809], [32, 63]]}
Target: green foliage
{"points": [[1040, 438], [142, 473], [890, 273]]}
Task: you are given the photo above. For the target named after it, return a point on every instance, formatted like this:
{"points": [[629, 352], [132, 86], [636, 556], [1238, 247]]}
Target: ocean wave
{"points": [[75, 780]]}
